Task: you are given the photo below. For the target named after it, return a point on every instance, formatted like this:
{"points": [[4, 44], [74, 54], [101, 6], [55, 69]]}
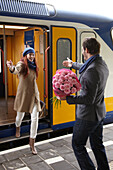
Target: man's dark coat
{"points": [[90, 102]]}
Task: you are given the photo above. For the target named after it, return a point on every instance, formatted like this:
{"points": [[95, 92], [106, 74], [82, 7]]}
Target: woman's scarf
{"points": [[31, 65], [87, 63]]}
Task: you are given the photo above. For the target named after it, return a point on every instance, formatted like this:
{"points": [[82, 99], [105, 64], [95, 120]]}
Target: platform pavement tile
{"points": [[45, 146], [105, 138], [106, 130], [111, 165], [109, 135], [31, 159], [69, 145], [62, 165], [26, 151], [110, 147], [2, 159], [63, 150], [1, 167], [50, 153], [9, 165], [111, 127], [109, 154], [40, 166], [29, 153], [59, 143], [23, 168], [70, 157], [69, 142], [76, 165], [13, 155], [68, 139]]}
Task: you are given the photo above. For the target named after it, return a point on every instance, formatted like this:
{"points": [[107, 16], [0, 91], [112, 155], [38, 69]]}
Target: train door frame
{"points": [[2, 91], [45, 45], [64, 116], [84, 33], [4, 59]]}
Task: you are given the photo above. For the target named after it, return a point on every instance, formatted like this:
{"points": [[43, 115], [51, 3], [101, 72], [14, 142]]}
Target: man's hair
{"points": [[92, 45]]}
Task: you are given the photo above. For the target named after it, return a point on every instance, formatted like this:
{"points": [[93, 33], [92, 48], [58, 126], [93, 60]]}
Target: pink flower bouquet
{"points": [[65, 82]]}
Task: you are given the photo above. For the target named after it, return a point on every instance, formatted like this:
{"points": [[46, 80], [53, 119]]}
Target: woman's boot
{"points": [[31, 143], [17, 132]]}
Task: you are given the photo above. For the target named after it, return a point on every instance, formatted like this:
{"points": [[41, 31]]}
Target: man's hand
{"points": [[67, 63], [61, 98]]}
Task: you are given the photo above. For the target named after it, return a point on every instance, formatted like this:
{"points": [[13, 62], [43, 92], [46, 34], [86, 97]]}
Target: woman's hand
{"points": [[67, 63], [10, 65]]}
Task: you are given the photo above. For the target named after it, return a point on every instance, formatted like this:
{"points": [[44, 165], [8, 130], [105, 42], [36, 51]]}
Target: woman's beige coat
{"points": [[27, 91]]}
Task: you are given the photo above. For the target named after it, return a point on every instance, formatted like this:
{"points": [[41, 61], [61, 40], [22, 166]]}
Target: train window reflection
{"points": [[63, 51]]}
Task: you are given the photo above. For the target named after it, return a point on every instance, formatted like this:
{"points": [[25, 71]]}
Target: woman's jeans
{"points": [[81, 131], [34, 121]]}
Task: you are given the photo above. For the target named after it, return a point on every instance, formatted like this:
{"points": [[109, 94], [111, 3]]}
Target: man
{"points": [[91, 107]]}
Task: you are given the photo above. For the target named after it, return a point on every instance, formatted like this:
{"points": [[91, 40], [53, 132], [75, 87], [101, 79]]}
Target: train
{"points": [[55, 35]]}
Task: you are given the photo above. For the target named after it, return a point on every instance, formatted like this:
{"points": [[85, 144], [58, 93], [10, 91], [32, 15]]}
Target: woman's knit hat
{"points": [[28, 50]]}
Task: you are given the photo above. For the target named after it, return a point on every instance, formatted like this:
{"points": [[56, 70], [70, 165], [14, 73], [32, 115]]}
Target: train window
{"points": [[63, 51]]}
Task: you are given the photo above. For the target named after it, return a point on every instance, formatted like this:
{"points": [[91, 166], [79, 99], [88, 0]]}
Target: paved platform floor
{"points": [[53, 154]]}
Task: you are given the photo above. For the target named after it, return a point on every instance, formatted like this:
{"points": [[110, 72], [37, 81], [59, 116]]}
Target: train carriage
{"points": [[55, 35]]}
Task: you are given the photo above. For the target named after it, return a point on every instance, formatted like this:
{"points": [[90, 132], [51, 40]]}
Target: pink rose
{"points": [[60, 80], [74, 81], [67, 86], [70, 79], [57, 76], [62, 77], [66, 77], [54, 81], [71, 84], [69, 74], [67, 91], [73, 75], [57, 85], [62, 73], [66, 82], [73, 90], [62, 87]]}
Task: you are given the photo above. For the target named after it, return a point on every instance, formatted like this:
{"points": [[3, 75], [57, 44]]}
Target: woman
{"points": [[27, 97]]}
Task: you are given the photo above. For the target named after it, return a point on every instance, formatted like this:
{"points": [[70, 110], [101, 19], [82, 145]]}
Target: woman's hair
{"points": [[92, 45], [25, 70]]}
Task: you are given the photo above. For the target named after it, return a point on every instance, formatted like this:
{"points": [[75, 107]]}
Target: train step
{"points": [[12, 121], [23, 136], [7, 132]]}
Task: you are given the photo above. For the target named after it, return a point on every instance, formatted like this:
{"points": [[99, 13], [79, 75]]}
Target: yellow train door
{"points": [[63, 46]]}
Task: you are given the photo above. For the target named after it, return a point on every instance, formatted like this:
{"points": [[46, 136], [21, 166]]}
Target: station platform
{"points": [[53, 154]]}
